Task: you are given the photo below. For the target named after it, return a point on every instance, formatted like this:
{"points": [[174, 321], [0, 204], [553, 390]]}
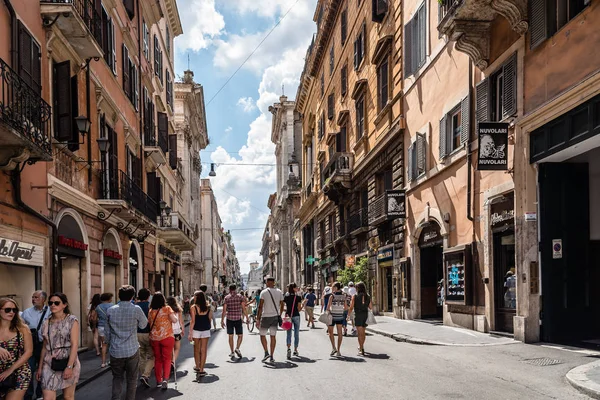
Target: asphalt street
{"points": [[389, 370]]}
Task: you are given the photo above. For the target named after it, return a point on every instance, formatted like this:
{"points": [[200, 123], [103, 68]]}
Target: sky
{"points": [[218, 36]]}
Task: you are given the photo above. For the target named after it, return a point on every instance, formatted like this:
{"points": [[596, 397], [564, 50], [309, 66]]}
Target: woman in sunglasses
{"points": [[16, 348], [60, 368]]}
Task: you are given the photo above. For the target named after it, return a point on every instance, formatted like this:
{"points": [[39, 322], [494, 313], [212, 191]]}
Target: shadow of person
{"points": [[210, 378], [303, 359], [347, 359], [210, 365], [377, 356], [280, 365], [241, 360], [167, 394], [181, 374]]}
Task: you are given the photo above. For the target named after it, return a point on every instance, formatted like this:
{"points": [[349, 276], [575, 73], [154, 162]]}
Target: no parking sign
{"points": [[557, 248]]}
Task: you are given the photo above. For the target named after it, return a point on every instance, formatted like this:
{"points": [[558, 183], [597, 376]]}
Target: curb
{"points": [[577, 377]]}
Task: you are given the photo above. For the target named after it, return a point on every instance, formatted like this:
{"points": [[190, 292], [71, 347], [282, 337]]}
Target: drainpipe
{"points": [[13, 37], [88, 113], [16, 183], [469, 166]]}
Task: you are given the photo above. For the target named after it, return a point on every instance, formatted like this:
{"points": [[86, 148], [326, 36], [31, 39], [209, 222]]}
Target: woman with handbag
{"points": [[336, 306], [162, 338], [201, 314], [93, 320], [15, 350], [361, 304], [60, 368], [293, 306]]}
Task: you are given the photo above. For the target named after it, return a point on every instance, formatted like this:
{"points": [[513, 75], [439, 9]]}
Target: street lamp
{"points": [[103, 144], [212, 170], [83, 125], [165, 213]]}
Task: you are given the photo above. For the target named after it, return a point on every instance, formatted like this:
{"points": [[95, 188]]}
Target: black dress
{"points": [[361, 309]]}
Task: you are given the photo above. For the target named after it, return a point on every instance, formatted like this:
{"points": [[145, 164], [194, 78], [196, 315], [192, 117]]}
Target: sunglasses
{"points": [[54, 303], [9, 310]]}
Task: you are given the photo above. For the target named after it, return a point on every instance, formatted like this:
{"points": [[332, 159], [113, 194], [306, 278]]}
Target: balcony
{"points": [[176, 232], [337, 176], [155, 146], [24, 121], [327, 239], [468, 22], [340, 232], [359, 222], [121, 196], [79, 23], [378, 209]]}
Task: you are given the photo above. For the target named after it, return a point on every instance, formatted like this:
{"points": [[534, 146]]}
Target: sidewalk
{"points": [[586, 378], [416, 332]]}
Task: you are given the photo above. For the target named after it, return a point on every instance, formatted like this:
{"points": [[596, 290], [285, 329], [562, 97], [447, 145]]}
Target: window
{"points": [[173, 151], [341, 140], [65, 99], [321, 127], [415, 36], [344, 26], [130, 8], [322, 83], [168, 39], [455, 128], [379, 10], [497, 95], [360, 117], [549, 16], [331, 59], [130, 78], [344, 78], [359, 47], [158, 61], [30, 69], [108, 41], [125, 66], [382, 84], [169, 90], [417, 158], [146, 42], [330, 106]]}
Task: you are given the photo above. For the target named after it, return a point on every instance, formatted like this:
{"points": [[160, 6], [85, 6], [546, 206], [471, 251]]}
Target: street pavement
{"points": [[390, 369]]}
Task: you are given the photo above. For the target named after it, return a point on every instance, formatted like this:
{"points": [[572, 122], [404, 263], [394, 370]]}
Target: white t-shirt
{"points": [[351, 291], [269, 309]]}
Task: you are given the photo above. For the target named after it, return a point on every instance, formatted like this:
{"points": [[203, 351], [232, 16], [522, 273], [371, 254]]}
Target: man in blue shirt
{"points": [[123, 321], [102, 310], [309, 306], [146, 352]]}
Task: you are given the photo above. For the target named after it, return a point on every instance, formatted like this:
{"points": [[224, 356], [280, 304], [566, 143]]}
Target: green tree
{"points": [[359, 273]]}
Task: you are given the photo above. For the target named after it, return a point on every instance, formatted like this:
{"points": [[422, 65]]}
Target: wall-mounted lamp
{"points": [[83, 125], [103, 144], [212, 170]]}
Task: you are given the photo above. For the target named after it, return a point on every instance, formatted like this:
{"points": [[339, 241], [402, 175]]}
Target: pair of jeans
{"points": [[34, 362], [163, 354], [146, 354], [125, 368], [296, 328]]}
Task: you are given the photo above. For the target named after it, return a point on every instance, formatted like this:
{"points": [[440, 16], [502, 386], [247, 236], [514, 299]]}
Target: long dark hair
{"points": [[361, 288], [200, 301], [291, 288], [172, 302], [16, 324], [158, 301], [63, 298], [95, 301]]}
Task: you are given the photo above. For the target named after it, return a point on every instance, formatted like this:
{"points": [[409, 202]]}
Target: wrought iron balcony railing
{"points": [[88, 13], [24, 110], [377, 209], [447, 6], [117, 185], [358, 220]]}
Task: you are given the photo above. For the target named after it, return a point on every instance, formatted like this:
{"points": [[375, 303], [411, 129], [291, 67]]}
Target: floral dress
{"points": [[59, 332], [16, 347]]}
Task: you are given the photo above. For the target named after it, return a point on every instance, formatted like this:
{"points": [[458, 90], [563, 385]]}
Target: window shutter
{"points": [[344, 26], [409, 153], [163, 129], [126, 77], [113, 46], [443, 137], [36, 67], [63, 118], [482, 90], [25, 61], [74, 140], [136, 165], [465, 119], [363, 41], [408, 49], [156, 55], [151, 182], [538, 22], [421, 154], [378, 10], [422, 36], [330, 106], [356, 54], [344, 78], [130, 8], [105, 35], [173, 151], [136, 88], [509, 98]]}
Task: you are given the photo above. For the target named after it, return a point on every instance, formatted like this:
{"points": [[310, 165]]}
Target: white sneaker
{"points": [[232, 354]]}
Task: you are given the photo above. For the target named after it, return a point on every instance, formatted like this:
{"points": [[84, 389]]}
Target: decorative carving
{"points": [[474, 41], [515, 12], [103, 217]]}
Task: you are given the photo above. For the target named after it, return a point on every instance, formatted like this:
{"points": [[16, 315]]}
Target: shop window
{"points": [[497, 95], [546, 17], [455, 128], [417, 158], [415, 37]]}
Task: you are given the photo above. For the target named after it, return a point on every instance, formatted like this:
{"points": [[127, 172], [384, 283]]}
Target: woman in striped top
{"points": [[337, 305]]}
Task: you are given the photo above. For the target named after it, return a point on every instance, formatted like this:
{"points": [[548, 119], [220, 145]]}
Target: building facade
{"points": [[211, 238]]}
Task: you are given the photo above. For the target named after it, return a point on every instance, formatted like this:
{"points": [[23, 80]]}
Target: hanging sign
{"points": [[17, 252], [396, 204], [349, 260], [493, 146]]}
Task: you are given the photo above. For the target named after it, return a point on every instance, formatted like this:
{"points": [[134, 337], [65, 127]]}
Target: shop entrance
{"points": [[505, 281], [71, 282], [569, 238], [432, 278]]}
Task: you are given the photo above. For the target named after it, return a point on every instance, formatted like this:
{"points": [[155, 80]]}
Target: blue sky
{"points": [[218, 36]]}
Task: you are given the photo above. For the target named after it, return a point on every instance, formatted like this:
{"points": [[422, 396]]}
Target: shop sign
{"points": [[493, 146], [498, 218], [557, 248], [112, 254], [327, 260], [72, 243], [385, 255], [396, 204], [349, 260], [16, 252], [431, 235]]}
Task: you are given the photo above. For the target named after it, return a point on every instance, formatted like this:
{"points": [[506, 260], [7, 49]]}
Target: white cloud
{"points": [[256, 7], [247, 104], [228, 130], [202, 23]]}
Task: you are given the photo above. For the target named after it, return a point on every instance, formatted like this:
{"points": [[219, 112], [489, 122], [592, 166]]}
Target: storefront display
{"points": [[457, 270]]}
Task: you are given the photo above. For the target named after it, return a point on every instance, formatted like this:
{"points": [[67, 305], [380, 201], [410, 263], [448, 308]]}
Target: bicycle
{"points": [[251, 322]]}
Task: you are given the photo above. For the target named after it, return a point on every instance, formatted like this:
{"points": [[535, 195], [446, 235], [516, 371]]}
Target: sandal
{"points": [[103, 365], [196, 369]]}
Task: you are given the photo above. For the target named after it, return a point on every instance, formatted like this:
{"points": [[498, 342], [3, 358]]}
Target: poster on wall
{"points": [[396, 204], [493, 146]]}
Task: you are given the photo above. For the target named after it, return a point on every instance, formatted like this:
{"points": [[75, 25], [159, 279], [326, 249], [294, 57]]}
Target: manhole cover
{"points": [[543, 362]]}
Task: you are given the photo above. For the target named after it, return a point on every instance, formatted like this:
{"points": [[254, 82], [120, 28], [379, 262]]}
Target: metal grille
{"points": [[543, 362]]}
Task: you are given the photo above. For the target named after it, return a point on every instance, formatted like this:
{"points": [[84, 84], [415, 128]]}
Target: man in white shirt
{"points": [[268, 316], [34, 317]]}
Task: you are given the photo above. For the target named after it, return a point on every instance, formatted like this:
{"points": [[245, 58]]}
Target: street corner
{"points": [[586, 379]]}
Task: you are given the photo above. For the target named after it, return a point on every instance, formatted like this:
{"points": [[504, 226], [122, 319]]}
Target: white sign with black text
{"points": [[17, 252], [493, 146]]}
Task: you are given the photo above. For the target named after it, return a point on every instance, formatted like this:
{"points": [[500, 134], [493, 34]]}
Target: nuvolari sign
{"points": [[493, 146]]}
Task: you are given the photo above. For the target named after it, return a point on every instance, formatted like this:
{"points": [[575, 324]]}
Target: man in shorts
{"points": [[234, 307], [309, 307], [267, 317]]}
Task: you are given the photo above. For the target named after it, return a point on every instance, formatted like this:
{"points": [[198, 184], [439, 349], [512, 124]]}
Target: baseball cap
{"points": [[270, 278], [350, 283]]}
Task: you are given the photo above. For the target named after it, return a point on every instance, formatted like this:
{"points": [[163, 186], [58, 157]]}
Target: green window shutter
{"points": [[538, 22], [443, 137], [465, 119], [509, 87]]}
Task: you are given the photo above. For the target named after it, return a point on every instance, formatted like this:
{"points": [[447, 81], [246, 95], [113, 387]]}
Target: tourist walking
{"points": [[336, 306], [293, 306], [33, 317], [351, 293], [60, 365], [213, 303], [360, 304], [177, 326], [234, 309], [16, 348], [162, 339], [146, 352], [93, 320], [200, 313], [124, 319], [106, 303], [269, 313], [309, 307]]}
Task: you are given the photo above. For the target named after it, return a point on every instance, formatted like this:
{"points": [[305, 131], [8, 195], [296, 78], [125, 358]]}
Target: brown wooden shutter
{"points": [[410, 157], [330, 106], [63, 117], [421, 153], [173, 151], [465, 119], [538, 22], [36, 67], [344, 26], [163, 130], [126, 72], [152, 188], [443, 137], [25, 67], [509, 87], [130, 8], [74, 140], [344, 79], [482, 111], [408, 71], [136, 170]]}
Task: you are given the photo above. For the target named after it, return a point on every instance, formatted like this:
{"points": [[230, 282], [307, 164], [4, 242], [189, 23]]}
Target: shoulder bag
{"points": [[154, 320], [37, 344], [11, 381], [287, 324], [279, 319], [57, 364]]}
